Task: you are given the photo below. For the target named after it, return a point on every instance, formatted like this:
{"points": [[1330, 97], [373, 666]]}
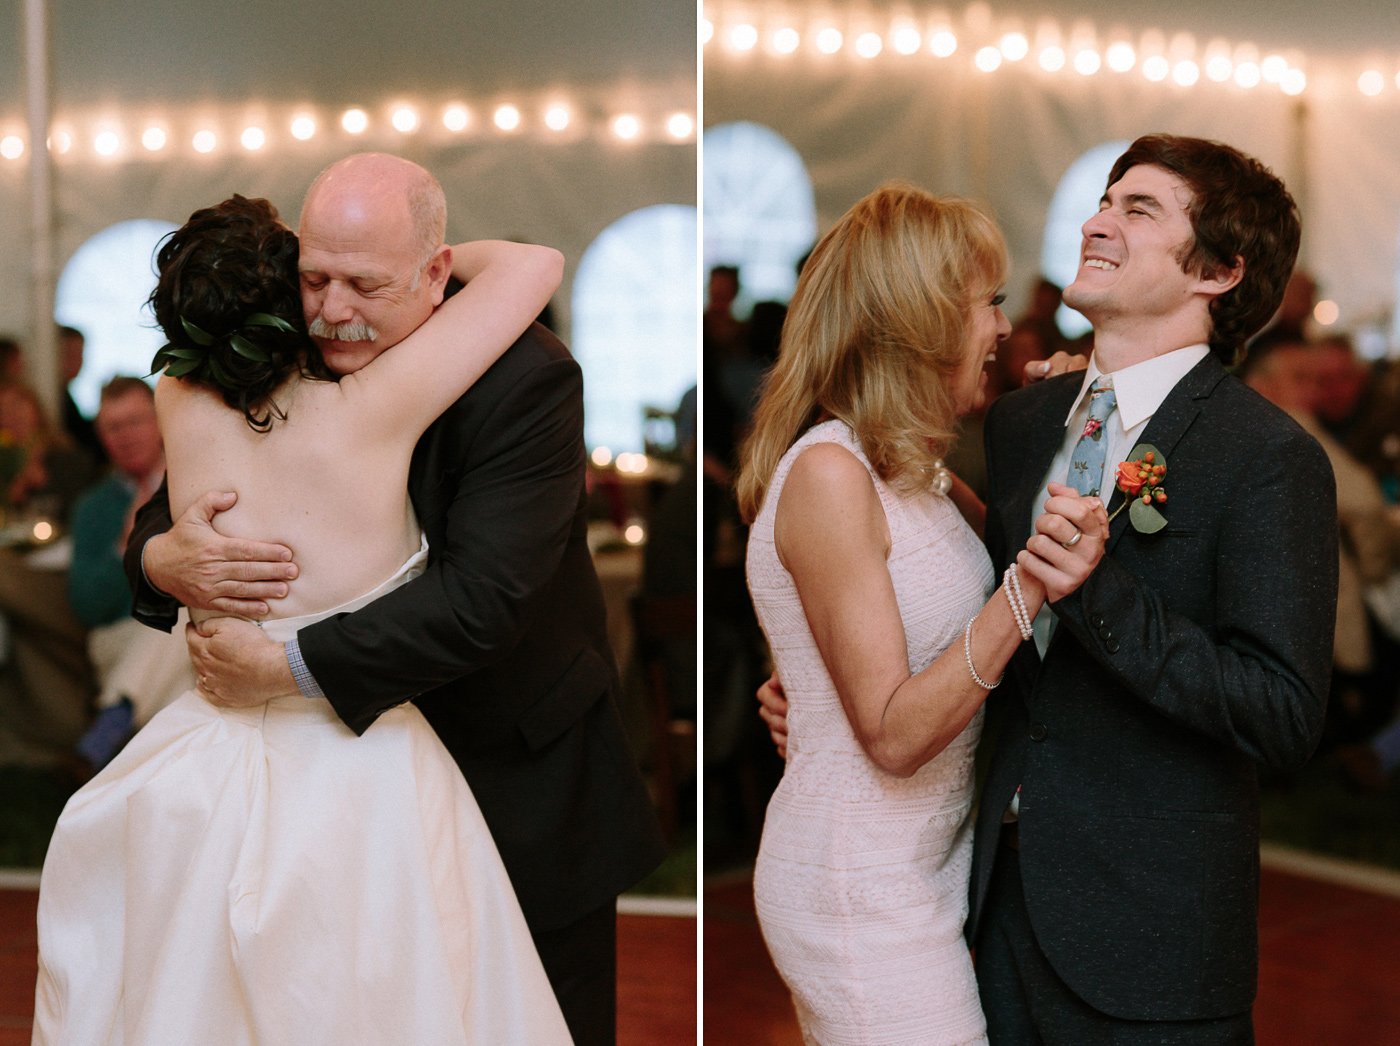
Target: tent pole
{"points": [[43, 356]]}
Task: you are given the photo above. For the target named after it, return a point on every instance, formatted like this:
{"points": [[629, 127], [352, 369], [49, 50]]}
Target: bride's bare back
{"points": [[322, 482], [330, 479]]}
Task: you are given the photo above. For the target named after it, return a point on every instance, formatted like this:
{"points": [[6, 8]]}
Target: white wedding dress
{"points": [[263, 876]]}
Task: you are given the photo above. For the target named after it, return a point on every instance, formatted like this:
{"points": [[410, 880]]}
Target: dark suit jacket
{"points": [[1187, 657], [502, 642]]}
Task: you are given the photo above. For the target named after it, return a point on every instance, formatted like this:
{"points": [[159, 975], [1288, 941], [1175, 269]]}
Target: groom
{"points": [[1115, 874], [502, 642]]}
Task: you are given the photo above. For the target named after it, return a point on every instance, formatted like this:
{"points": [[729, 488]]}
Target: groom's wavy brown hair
{"points": [[875, 331], [1239, 209]]}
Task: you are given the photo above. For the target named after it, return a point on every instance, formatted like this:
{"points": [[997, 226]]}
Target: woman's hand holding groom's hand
{"points": [[1067, 545]]}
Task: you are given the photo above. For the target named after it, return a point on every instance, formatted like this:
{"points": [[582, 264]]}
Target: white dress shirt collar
{"points": [[1141, 388]]}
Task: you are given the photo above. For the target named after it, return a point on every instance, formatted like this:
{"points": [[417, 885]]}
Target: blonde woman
{"points": [[878, 601]]}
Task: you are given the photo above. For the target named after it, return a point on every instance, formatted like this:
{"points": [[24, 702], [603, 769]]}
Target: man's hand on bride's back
{"points": [[206, 571]]}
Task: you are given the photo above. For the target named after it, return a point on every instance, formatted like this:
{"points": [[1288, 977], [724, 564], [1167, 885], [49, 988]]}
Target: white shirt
{"points": [[1140, 390]]}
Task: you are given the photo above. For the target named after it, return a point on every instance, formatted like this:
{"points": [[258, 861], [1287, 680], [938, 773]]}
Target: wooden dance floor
{"points": [[1329, 968], [655, 958]]}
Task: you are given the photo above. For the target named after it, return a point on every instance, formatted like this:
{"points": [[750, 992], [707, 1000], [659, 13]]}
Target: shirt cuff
{"points": [[304, 679]]}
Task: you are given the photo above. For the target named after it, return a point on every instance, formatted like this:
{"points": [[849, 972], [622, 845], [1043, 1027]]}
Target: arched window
{"points": [[635, 317], [102, 292], [759, 211], [1076, 198]]}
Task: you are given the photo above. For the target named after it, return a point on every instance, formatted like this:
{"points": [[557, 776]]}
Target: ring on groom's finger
{"points": [[1074, 540]]}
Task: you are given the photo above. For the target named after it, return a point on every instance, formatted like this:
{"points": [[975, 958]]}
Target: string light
{"points": [[829, 40], [253, 138], [204, 142], [1186, 73], [404, 119], [988, 59], [1087, 63], [153, 138], [785, 40], [106, 143], [1273, 68], [355, 120], [1371, 82], [1121, 57], [868, 45], [602, 457], [455, 118], [61, 142], [1156, 68], [680, 125], [1014, 46], [743, 37], [303, 127], [1219, 68], [11, 147], [943, 43], [507, 118], [1247, 74], [1052, 59], [626, 126], [556, 118], [907, 40], [1294, 81]]}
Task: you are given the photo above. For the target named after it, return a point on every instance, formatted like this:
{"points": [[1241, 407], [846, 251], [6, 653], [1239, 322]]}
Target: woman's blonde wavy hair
{"points": [[875, 331]]}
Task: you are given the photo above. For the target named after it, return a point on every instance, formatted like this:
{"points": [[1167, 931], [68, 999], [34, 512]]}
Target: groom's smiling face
{"points": [[1130, 257]]}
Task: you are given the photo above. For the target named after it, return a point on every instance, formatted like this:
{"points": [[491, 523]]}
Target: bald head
{"points": [[388, 190], [373, 263]]}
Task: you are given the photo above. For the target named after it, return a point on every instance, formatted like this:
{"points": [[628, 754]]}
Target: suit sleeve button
{"points": [[1097, 621], [1106, 632], [1112, 646], [1038, 731]]}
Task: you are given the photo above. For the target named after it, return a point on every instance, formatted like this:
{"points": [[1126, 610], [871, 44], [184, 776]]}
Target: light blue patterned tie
{"points": [[1086, 466]]}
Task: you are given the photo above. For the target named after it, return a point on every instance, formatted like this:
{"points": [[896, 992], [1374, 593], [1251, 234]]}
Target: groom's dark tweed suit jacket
{"points": [[1186, 657], [502, 643]]}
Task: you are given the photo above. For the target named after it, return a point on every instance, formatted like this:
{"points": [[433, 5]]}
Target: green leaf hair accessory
{"points": [[200, 364], [199, 337]]}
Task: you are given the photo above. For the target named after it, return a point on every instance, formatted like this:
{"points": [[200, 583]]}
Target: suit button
{"points": [[1097, 621], [1112, 646], [1106, 632], [1038, 731]]}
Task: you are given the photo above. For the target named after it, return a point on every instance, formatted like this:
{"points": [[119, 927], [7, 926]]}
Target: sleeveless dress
{"points": [[263, 877], [862, 877]]}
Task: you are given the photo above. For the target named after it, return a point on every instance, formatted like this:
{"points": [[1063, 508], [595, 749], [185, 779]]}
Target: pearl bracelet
{"points": [[1018, 603], [967, 652]]}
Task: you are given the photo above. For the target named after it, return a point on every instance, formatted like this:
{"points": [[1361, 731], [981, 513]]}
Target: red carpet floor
{"points": [[1329, 969], [655, 993]]}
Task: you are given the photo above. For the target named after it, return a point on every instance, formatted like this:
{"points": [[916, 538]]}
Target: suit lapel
{"points": [[1044, 432], [1169, 423]]}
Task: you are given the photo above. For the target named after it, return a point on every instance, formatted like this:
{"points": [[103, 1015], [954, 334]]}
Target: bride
{"points": [[261, 875]]}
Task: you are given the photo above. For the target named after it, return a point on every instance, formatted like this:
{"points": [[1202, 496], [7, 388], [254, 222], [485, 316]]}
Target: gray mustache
{"points": [[351, 330]]}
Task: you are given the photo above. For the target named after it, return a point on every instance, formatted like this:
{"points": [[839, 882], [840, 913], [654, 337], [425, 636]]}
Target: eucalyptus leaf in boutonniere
{"points": [[1142, 479]]}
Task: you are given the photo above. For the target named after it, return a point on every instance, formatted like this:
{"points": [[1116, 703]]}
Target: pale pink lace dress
{"points": [[861, 882]]}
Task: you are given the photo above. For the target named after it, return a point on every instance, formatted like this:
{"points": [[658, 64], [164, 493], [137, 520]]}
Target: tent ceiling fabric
{"points": [[337, 51]]}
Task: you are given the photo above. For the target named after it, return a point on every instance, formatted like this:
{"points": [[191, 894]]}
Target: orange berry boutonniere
{"points": [[1142, 480]]}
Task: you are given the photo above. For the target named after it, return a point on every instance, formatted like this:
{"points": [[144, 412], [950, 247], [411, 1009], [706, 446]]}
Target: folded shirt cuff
{"points": [[304, 679]]}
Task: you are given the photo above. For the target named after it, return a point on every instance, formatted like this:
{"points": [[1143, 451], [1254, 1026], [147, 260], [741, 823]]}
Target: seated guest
{"points": [[1288, 374], [41, 470], [139, 670], [70, 363]]}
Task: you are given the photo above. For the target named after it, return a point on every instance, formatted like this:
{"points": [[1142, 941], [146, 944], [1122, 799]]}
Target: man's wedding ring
{"points": [[1074, 540]]}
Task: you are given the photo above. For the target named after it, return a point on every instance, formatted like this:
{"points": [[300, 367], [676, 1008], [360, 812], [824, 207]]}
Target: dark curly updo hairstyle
{"points": [[230, 306]]}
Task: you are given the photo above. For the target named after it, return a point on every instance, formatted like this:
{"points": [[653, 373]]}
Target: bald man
{"points": [[502, 643]]}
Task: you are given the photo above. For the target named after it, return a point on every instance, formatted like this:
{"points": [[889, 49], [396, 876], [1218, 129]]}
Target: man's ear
{"points": [[1217, 281], [438, 270]]}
